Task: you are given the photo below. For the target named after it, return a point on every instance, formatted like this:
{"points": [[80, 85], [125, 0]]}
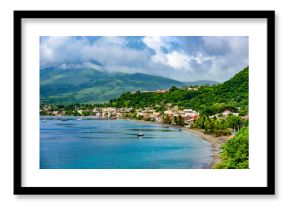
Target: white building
{"points": [[227, 112], [189, 113], [98, 114]]}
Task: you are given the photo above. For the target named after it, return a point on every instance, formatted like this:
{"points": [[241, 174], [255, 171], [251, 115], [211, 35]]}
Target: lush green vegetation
{"points": [[219, 126], [69, 86], [235, 154], [231, 95]]}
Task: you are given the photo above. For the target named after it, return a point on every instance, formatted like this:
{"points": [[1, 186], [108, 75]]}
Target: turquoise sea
{"points": [[74, 143]]}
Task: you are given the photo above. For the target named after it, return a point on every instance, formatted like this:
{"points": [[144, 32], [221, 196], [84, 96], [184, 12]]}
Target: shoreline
{"points": [[216, 142]]}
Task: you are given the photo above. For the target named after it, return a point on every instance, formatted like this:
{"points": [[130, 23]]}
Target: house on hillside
{"points": [[245, 117], [192, 88], [161, 91], [227, 112]]}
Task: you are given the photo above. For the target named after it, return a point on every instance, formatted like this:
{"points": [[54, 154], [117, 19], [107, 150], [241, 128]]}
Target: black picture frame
{"points": [[268, 190]]}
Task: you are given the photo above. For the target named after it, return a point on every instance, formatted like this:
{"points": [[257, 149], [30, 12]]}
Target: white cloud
{"points": [[173, 59], [112, 41], [201, 58], [157, 42], [58, 50], [180, 58], [109, 51], [227, 54]]}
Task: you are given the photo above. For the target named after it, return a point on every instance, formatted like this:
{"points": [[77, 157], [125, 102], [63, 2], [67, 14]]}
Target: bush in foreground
{"points": [[235, 153]]}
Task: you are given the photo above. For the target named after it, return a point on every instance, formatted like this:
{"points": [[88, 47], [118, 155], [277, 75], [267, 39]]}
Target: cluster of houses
{"points": [[224, 114], [110, 112], [162, 91], [187, 114], [147, 113]]}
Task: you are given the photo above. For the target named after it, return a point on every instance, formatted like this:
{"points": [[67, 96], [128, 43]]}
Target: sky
{"points": [[183, 58]]}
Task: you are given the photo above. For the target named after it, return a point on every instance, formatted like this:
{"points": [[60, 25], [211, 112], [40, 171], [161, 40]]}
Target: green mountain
{"points": [[232, 95], [65, 86]]}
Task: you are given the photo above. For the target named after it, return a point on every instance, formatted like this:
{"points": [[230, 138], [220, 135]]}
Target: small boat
{"points": [[64, 120], [140, 135], [79, 119]]}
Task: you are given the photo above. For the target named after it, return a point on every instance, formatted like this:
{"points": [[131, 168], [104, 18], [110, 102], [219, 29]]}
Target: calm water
{"points": [[113, 144]]}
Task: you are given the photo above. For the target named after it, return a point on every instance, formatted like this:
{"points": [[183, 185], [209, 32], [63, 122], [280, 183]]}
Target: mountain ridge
{"points": [[64, 86]]}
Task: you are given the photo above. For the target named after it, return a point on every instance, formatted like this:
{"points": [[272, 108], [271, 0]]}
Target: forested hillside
{"points": [[232, 95]]}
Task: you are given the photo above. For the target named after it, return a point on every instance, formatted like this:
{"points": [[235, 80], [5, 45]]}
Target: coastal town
{"points": [[147, 113], [171, 114]]}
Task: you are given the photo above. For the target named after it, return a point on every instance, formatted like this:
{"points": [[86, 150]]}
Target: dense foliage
{"points": [[219, 126], [231, 95], [235, 154]]}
